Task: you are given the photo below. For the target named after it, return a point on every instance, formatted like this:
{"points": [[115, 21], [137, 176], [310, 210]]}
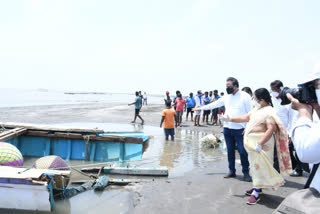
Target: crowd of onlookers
{"points": [[186, 104], [272, 129], [259, 125]]}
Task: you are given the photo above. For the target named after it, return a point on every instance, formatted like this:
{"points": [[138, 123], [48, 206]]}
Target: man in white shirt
{"points": [[237, 103], [288, 117], [306, 133], [199, 102]]}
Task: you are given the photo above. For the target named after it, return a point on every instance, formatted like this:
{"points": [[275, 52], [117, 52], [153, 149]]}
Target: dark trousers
{"points": [[234, 137], [296, 163], [275, 160]]}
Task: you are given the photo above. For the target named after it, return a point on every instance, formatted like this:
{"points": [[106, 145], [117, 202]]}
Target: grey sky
{"points": [[155, 46]]}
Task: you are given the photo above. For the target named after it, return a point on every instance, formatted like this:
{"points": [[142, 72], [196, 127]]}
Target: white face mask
{"points": [[275, 94], [318, 95], [256, 104], [318, 91]]}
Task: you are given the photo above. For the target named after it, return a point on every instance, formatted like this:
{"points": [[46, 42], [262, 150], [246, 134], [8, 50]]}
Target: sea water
{"points": [[35, 97]]}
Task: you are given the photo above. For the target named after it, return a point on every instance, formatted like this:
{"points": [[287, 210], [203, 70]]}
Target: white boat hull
{"points": [[25, 197]]}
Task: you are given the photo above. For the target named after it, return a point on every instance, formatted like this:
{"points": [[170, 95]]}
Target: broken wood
{"points": [[7, 135], [113, 181], [76, 136], [49, 128], [163, 171]]}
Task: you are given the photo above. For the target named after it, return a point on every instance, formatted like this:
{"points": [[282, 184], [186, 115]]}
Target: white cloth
{"points": [[306, 140], [198, 102], [293, 118], [282, 110], [236, 105]]}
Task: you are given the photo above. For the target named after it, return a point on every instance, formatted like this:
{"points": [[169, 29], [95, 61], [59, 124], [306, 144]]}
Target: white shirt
{"points": [[306, 140], [236, 105], [293, 118], [283, 111], [199, 102]]}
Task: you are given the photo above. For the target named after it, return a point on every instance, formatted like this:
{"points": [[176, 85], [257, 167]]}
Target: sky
{"points": [[154, 46]]}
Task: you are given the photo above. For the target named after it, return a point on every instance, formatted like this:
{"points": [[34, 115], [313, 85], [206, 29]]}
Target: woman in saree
{"points": [[263, 132]]}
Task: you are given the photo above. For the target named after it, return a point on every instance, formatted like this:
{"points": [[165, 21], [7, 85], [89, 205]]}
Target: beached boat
{"points": [[74, 143], [28, 189]]}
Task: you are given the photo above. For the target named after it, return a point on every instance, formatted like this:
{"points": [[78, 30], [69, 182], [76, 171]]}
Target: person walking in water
{"points": [[168, 117], [137, 105]]}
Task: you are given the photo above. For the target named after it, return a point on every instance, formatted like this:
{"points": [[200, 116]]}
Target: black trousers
{"points": [[296, 163]]}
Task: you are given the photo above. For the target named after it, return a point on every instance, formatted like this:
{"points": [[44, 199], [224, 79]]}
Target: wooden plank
{"points": [[163, 171], [49, 128], [13, 133], [76, 136], [26, 173], [9, 131], [112, 181]]}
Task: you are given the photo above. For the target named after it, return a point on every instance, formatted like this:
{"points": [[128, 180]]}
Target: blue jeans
{"points": [[234, 137]]}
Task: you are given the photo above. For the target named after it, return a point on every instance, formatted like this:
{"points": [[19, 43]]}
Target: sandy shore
{"points": [[200, 190]]}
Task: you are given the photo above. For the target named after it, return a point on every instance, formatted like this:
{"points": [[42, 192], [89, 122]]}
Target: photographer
{"points": [[306, 140], [306, 135]]}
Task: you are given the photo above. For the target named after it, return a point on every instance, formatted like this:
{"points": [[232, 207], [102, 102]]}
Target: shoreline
{"points": [[91, 112], [202, 189]]}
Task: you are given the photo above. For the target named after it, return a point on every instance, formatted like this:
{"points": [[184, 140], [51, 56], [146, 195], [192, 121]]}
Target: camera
{"points": [[305, 93]]}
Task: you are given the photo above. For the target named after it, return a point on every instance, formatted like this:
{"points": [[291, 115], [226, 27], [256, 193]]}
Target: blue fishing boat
{"points": [[75, 143]]}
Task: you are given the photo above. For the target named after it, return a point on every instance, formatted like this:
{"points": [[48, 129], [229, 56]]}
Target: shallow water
{"points": [[31, 97], [180, 156]]}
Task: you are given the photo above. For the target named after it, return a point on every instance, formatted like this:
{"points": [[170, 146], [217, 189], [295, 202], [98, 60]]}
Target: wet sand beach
{"points": [[195, 183]]}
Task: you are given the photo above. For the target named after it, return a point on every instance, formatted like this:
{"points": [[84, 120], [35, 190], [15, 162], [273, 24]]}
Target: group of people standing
{"points": [[253, 123], [200, 99], [259, 127]]}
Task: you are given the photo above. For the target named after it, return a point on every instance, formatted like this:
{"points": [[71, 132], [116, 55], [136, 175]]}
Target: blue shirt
{"points": [[138, 102], [190, 102], [174, 99], [206, 99]]}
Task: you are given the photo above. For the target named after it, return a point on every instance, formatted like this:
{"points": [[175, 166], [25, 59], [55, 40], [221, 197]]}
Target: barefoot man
{"points": [[137, 104]]}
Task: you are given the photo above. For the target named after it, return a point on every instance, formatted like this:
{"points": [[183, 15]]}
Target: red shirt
{"points": [[180, 104]]}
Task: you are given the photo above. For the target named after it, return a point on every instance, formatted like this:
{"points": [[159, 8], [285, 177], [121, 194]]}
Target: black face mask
{"points": [[230, 90]]}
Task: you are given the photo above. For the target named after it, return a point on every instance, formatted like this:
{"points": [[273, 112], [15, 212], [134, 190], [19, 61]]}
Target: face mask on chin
{"points": [[275, 94], [256, 104], [230, 90]]}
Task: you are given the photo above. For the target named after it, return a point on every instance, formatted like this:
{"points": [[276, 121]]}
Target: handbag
{"points": [[303, 201]]}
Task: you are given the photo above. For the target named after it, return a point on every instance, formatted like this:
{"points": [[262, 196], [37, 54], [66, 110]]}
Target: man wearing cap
{"points": [[166, 97], [306, 134]]}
